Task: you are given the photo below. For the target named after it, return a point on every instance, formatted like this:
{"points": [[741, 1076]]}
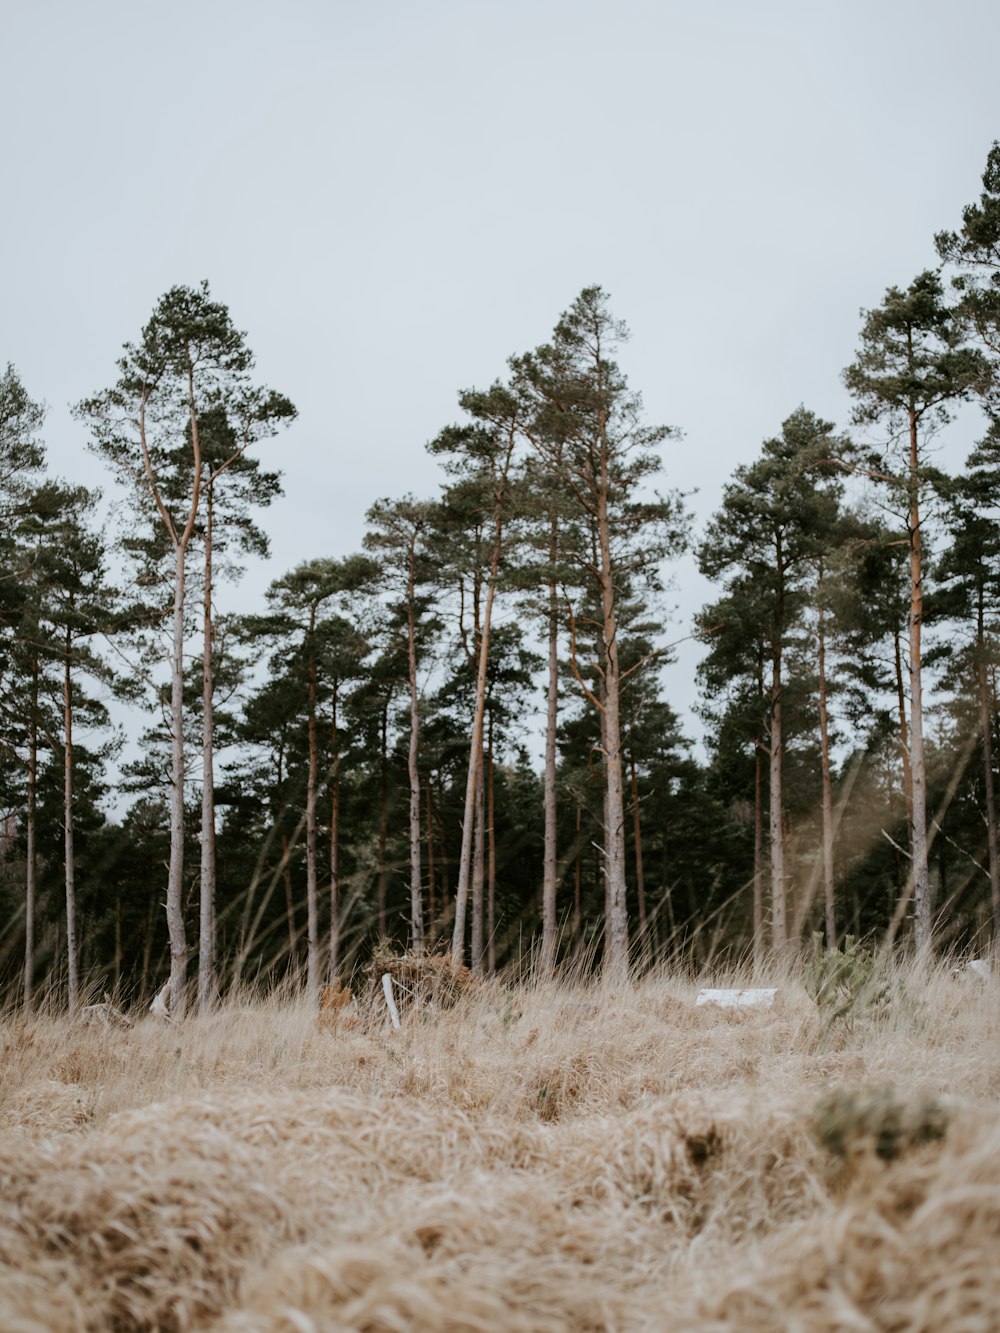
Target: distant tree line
{"points": [[348, 766]]}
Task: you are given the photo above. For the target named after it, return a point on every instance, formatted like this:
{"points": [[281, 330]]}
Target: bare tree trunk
{"points": [[918, 771], [616, 959], [72, 963], [758, 864], [334, 844], [206, 915], [779, 933], [986, 728], [547, 960], [578, 881], [491, 862], [479, 874], [31, 835], [416, 888], [431, 896], [904, 734], [383, 823], [475, 765], [312, 782], [640, 882], [824, 740], [175, 872]]}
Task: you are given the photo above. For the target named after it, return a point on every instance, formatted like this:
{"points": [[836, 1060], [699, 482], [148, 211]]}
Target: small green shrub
{"points": [[845, 982]]}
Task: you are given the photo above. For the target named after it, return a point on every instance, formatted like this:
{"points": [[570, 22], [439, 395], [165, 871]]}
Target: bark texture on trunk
{"points": [[72, 960], [416, 888], [827, 798], [383, 822], [616, 959], [206, 906], [334, 967], [547, 958], [779, 927], [491, 863], [640, 880], [758, 864], [312, 783], [918, 771], [475, 766], [175, 871], [30, 835], [986, 733], [479, 874]]}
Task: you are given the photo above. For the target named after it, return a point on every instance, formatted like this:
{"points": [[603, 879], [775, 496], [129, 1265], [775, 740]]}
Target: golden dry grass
{"points": [[536, 1159]]}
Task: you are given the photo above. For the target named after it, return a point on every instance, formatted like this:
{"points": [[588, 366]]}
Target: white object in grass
{"points": [[738, 999], [390, 1001]]}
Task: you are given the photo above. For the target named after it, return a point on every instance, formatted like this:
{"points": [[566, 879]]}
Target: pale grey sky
{"points": [[394, 197]]}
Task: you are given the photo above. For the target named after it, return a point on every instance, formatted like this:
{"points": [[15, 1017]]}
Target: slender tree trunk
{"points": [[312, 783], [475, 764], [918, 771], [479, 873], [578, 881], [334, 843], [72, 961], [904, 734], [383, 822], [779, 932], [416, 888], [175, 871], [777, 839], [986, 728], [758, 863], [30, 833], [824, 740], [491, 863], [640, 882], [431, 896], [206, 916], [616, 959], [547, 960]]}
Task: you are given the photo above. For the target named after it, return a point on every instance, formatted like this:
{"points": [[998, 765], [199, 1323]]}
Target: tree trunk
{"points": [[312, 885], [431, 896], [72, 968], [286, 877], [779, 930], [175, 871], [986, 729], [578, 882], [479, 873], [904, 734], [918, 772], [416, 888], [758, 864], [206, 915], [640, 882], [475, 765], [616, 959], [547, 960], [31, 834], [334, 843], [824, 740], [491, 862], [383, 822]]}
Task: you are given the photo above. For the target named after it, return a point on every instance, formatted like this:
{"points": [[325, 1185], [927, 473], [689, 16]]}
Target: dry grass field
{"points": [[565, 1157]]}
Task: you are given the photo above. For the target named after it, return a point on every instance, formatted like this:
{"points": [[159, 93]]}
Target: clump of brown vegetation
{"points": [[551, 1158]]}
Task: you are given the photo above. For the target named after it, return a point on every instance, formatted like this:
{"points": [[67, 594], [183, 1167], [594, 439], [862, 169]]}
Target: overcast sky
{"points": [[392, 198]]}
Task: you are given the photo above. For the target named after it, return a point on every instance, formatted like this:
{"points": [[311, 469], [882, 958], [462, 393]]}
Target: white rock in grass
{"points": [[738, 999]]}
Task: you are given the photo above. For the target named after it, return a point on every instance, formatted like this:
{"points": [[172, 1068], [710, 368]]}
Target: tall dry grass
{"points": [[565, 1157]]}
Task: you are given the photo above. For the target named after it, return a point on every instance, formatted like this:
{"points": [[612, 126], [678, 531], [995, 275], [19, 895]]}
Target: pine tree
{"points": [[910, 368]]}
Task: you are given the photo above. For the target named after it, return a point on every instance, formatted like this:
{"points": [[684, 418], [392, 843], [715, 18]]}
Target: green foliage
{"points": [[845, 982], [851, 1121]]}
